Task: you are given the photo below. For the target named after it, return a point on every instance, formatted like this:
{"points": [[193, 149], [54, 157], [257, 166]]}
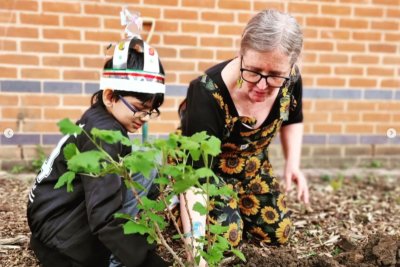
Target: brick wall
{"points": [[51, 54]]}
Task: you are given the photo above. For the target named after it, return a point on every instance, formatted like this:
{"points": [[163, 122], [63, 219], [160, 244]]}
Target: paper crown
{"points": [[148, 79]]}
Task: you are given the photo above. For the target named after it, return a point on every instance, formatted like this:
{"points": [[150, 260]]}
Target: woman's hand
{"points": [[296, 176]]}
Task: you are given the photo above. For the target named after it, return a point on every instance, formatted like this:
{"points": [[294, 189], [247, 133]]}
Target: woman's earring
{"points": [[239, 82]]}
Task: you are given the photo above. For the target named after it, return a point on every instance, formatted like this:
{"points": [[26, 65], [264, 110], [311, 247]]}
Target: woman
{"points": [[245, 102]]}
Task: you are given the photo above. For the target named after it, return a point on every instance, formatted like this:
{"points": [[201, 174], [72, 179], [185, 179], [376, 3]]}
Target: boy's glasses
{"points": [[140, 113], [254, 77]]}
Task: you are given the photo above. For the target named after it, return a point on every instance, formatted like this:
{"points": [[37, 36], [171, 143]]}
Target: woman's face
{"points": [[125, 115], [267, 63]]}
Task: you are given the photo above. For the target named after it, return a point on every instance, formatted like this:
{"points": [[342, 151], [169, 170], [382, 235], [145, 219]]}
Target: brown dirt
{"points": [[354, 222]]}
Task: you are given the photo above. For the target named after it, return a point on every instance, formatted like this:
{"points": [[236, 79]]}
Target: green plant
{"points": [[16, 169], [336, 251], [171, 157], [41, 157], [337, 182], [325, 177], [375, 164]]}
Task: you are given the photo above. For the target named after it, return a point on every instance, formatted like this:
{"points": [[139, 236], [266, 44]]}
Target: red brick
{"points": [[161, 2], [169, 103], [226, 54], [230, 30], [44, 47], [162, 127], [318, 45], [383, 48], [39, 19], [197, 27], [171, 77], [19, 59], [331, 82], [196, 53], [236, 4], [81, 75], [353, 23], [81, 49], [327, 128], [180, 14], [363, 82], [342, 70], [392, 37], [8, 45], [395, 106], [102, 36], [331, 105], [8, 72], [61, 113], [334, 34], [202, 3], [390, 83], [380, 71], [310, 33], [97, 9], [19, 32], [186, 78], [261, 5], [345, 117], [351, 47], [94, 62], [169, 116], [61, 34], [364, 59], [385, 25], [60, 61], [337, 58], [166, 26], [37, 126], [391, 60], [39, 100], [361, 106], [302, 8], [387, 2], [372, 11], [216, 41], [359, 128], [172, 65], [177, 39], [393, 12], [40, 73], [244, 17], [313, 69], [19, 5], [123, 1], [164, 52], [8, 17], [79, 21], [61, 7], [321, 22], [217, 16], [376, 117], [27, 113], [203, 65], [76, 100], [335, 10], [311, 117], [148, 11], [372, 36]]}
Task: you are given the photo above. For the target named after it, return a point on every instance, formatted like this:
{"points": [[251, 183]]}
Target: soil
{"points": [[354, 221]]}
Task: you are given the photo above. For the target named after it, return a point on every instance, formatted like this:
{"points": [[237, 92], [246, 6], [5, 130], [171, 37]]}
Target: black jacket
{"points": [[80, 224]]}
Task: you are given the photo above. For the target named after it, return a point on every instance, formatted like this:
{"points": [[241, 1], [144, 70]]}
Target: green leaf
{"points": [[200, 208], [239, 254], [131, 227], [187, 144], [68, 127], [162, 180], [70, 150], [110, 136], [120, 215], [218, 229], [212, 146], [199, 137], [66, 178], [129, 183], [181, 186], [86, 162], [204, 172], [141, 161]]}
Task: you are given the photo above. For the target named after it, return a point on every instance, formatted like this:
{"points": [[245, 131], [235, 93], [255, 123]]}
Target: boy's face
{"points": [[126, 116]]}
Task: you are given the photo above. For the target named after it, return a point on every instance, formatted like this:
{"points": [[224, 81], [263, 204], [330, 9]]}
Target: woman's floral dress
{"points": [[261, 211]]}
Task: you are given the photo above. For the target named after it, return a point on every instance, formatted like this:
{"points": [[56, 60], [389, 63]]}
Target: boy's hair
{"points": [[135, 62]]}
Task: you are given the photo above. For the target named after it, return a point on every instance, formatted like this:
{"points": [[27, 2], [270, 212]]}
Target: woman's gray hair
{"points": [[271, 29]]}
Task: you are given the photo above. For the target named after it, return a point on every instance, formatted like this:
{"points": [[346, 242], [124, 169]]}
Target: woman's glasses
{"points": [[254, 77], [140, 113]]}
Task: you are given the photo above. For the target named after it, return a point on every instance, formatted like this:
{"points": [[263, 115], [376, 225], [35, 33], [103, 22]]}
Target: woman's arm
{"points": [[291, 140]]}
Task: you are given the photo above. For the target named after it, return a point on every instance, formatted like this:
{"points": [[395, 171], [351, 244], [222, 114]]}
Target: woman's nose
{"points": [[262, 84]]}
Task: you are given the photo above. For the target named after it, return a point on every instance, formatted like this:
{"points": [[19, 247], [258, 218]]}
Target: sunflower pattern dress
{"points": [[260, 211]]}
